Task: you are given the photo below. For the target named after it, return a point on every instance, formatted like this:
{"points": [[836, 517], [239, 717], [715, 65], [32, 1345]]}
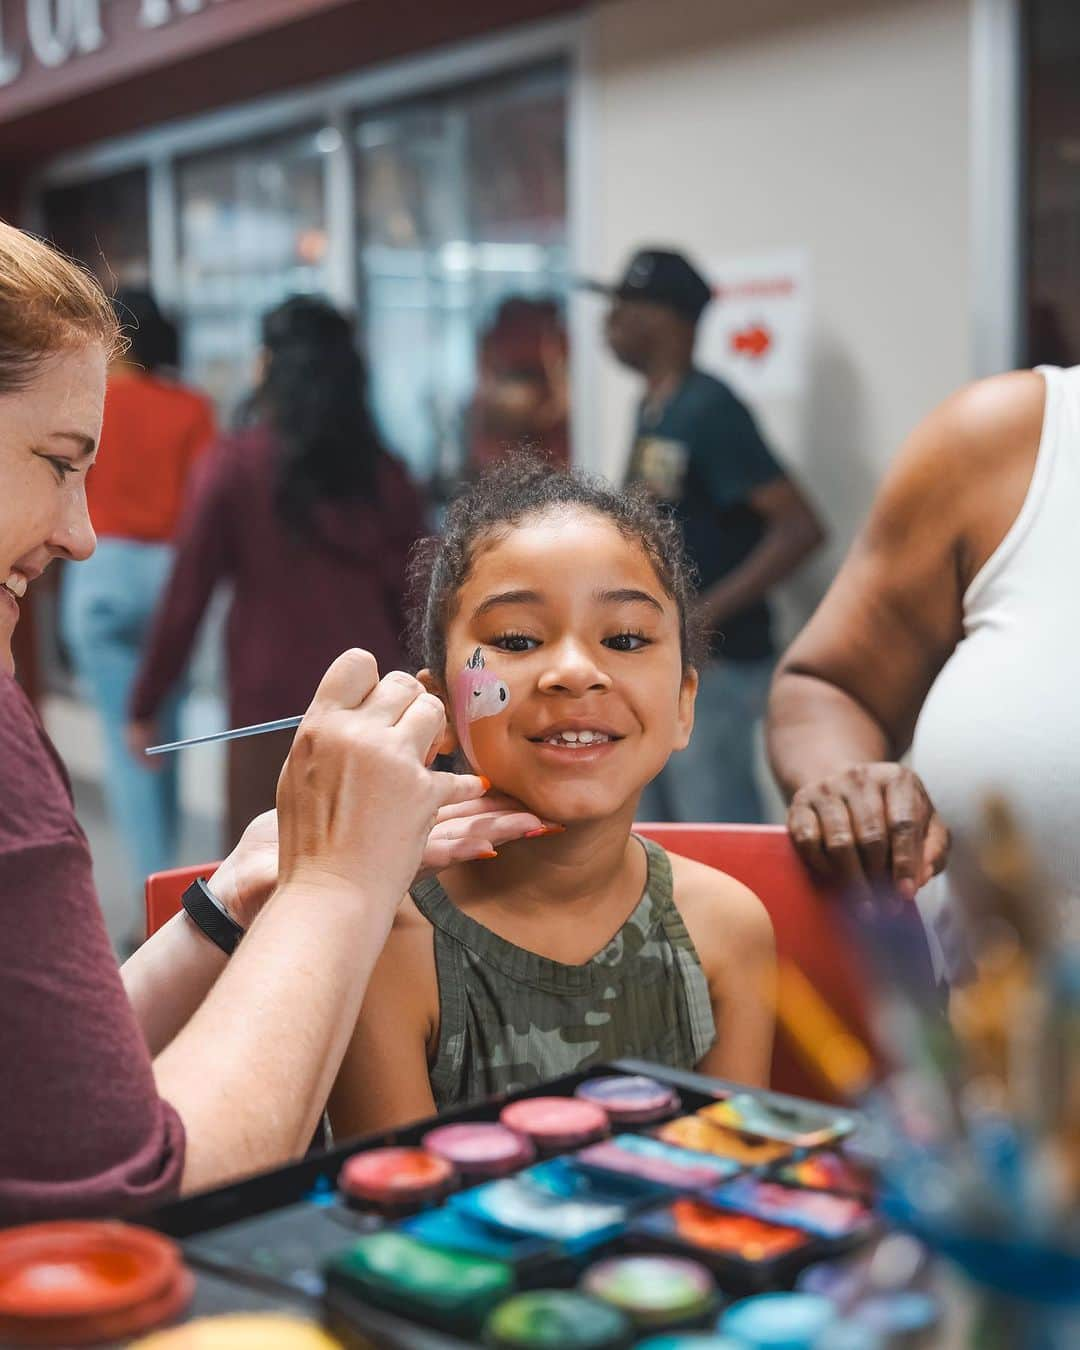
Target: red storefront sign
{"points": [[76, 71]]}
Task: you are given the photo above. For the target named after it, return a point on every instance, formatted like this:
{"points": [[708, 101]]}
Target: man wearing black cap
{"points": [[746, 525]]}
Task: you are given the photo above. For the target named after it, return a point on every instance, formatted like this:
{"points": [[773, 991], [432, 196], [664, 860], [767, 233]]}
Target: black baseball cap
{"points": [[664, 277]]}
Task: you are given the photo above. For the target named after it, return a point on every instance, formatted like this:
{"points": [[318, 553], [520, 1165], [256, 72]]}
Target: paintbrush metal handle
{"points": [[235, 734]]}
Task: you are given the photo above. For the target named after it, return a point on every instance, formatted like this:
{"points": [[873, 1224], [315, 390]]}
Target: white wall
{"points": [[729, 128]]}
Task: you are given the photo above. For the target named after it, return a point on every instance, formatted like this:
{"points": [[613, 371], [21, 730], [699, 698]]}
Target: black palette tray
{"points": [[269, 1235]]}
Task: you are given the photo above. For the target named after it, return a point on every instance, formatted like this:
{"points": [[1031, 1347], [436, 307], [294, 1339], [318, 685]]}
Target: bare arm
{"points": [[383, 1082], [733, 935], [849, 691], [173, 971], [792, 531], [250, 1071]]}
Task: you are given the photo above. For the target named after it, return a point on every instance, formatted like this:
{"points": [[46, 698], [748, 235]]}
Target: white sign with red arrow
{"points": [[755, 333]]}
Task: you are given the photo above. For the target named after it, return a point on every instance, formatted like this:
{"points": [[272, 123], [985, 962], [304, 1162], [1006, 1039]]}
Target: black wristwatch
{"points": [[208, 913]]}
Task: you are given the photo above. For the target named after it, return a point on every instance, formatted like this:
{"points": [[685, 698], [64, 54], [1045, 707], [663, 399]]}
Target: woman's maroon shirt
{"points": [[83, 1131]]}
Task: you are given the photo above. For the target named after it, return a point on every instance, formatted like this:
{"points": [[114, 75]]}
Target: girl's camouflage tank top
{"points": [[510, 1019]]}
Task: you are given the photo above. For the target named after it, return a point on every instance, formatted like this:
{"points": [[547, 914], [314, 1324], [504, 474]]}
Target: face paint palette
{"points": [[800, 1124], [555, 1123], [654, 1161], [586, 1212], [452, 1289], [534, 1260], [558, 1201], [700, 1134], [829, 1171], [786, 1321], [397, 1178], [655, 1291], [630, 1099], [553, 1319], [480, 1149], [835, 1217], [744, 1252]]}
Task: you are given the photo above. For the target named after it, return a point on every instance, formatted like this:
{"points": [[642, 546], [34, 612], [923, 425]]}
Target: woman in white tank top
{"points": [[952, 629]]}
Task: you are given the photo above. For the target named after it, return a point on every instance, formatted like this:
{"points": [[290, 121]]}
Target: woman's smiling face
{"points": [[568, 615], [48, 434]]}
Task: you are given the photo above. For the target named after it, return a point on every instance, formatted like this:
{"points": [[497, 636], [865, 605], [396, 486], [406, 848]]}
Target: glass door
{"points": [[461, 207], [252, 231]]}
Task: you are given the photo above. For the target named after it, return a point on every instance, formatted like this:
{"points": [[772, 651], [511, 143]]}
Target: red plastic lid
{"points": [[556, 1122], [396, 1176], [73, 1284], [103, 1328], [51, 1270]]}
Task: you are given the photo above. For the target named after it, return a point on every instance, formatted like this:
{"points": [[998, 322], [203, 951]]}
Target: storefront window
{"points": [[461, 250], [461, 204], [1053, 188], [252, 231], [105, 224]]}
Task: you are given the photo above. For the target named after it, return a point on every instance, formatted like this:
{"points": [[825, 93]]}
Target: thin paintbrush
{"points": [[235, 734]]}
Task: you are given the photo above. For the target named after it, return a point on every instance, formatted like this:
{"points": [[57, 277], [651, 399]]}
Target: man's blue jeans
{"points": [[713, 779], [106, 608]]}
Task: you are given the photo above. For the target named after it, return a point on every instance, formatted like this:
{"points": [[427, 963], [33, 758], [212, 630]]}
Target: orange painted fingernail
{"points": [[486, 782], [544, 829], [491, 854]]}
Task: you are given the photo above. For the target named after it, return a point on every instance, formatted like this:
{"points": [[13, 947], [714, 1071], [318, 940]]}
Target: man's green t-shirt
{"points": [[703, 453]]}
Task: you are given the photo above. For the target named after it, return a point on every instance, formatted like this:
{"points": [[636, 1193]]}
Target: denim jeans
{"points": [[106, 607], [714, 778]]}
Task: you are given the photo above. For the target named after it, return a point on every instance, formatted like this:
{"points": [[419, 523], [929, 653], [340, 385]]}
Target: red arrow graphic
{"points": [[753, 342]]}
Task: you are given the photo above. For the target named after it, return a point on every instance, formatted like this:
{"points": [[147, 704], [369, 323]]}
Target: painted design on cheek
{"points": [[480, 693]]}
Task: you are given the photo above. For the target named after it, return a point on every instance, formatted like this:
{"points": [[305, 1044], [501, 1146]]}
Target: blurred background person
{"points": [[521, 393], [311, 520], [746, 524], [154, 431]]}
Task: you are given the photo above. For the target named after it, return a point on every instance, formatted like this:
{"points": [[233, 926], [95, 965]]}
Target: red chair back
{"points": [[808, 928], [164, 889], [804, 914]]}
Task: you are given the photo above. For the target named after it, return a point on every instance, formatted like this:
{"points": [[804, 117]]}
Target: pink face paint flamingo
{"points": [[479, 694]]}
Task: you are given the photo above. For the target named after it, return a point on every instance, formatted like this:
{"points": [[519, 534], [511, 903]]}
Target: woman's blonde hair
{"points": [[47, 303]]}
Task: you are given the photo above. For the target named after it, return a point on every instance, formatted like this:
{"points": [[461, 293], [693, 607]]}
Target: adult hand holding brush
{"points": [[356, 807]]}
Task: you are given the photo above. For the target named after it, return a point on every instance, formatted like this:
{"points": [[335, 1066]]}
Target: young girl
{"points": [[555, 625]]}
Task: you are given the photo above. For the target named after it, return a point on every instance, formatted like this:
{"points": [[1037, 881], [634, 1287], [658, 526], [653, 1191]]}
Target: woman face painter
{"points": [[207, 1055]]}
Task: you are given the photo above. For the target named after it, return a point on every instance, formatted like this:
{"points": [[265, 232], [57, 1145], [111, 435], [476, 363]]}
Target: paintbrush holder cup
{"points": [[1026, 1294]]}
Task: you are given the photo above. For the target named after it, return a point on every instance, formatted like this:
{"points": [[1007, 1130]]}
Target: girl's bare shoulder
{"points": [[727, 922]]}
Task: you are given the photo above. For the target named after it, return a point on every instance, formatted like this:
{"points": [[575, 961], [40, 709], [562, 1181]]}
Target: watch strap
{"points": [[208, 913]]}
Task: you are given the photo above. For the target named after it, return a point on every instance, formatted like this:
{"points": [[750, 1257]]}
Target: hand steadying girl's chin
{"points": [[462, 832]]}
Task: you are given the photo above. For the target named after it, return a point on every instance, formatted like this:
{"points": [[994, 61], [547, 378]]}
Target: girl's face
{"points": [[564, 676], [48, 434]]}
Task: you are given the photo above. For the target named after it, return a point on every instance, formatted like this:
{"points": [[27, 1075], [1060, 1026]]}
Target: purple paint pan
{"points": [[630, 1099]]}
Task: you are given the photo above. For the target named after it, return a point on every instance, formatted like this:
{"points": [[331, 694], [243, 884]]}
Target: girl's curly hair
{"points": [[524, 486]]}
